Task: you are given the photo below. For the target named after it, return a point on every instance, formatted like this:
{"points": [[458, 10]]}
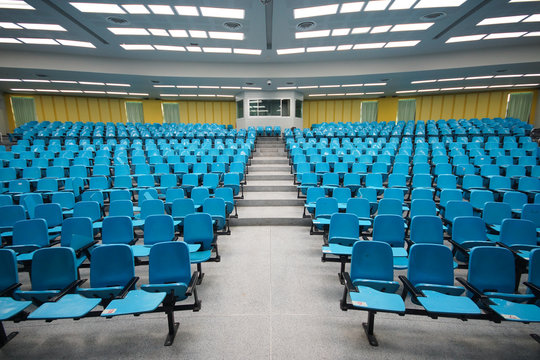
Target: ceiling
{"points": [[178, 59]]}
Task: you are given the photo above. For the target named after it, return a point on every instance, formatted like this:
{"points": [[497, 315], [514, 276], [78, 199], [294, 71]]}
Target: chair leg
{"points": [[4, 339], [173, 326], [201, 274], [368, 328]]}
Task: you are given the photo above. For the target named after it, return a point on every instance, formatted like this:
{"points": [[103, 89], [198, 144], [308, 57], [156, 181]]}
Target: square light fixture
{"points": [[502, 20], [315, 11], [128, 31], [169, 48], [38, 41], [380, 29], [341, 32], [226, 35], [312, 34], [377, 5], [344, 47], [161, 9], [98, 8], [158, 32], [351, 7], [368, 46], [455, 39], [187, 10], [136, 9], [201, 34], [84, 44], [412, 27], [178, 33], [401, 4], [533, 18], [223, 12], [193, 48], [361, 30], [290, 51]]}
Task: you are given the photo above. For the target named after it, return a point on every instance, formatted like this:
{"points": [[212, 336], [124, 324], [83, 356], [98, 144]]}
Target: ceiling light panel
{"points": [[247, 51], [128, 31], [38, 41], [9, 41], [409, 43], [231, 87], [528, 85], [161, 9], [401, 4], [9, 25], [178, 33], [380, 29], [508, 35], [405, 91], [411, 27], [465, 38], [98, 8], [83, 44], [352, 85], [361, 30], [375, 84], [158, 32], [320, 48], [15, 5], [312, 34], [119, 85], [533, 33], [479, 77], [377, 5], [351, 7], [10, 80], [63, 81], [163, 86], [223, 12], [315, 11], [508, 76], [344, 47], [93, 83], [533, 18], [187, 10], [475, 87], [423, 81], [328, 86], [452, 88], [186, 86], [35, 81], [226, 35], [137, 47], [93, 92], [451, 79], [193, 48], [341, 32], [368, 46], [502, 20], [201, 34], [290, 51], [217, 50], [426, 4], [136, 9], [138, 94], [71, 91], [169, 48]]}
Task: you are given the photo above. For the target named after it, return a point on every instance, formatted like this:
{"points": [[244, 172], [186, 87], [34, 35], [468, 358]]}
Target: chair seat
{"points": [[337, 249], [401, 262], [69, 306], [436, 302], [345, 241], [144, 250], [135, 302], [179, 289], [369, 299], [101, 292], [444, 289], [516, 312], [200, 256], [510, 296], [399, 252], [26, 256], [10, 307], [39, 295], [379, 285]]}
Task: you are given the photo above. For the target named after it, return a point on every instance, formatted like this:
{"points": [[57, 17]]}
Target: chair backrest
{"points": [[326, 206], [390, 206], [372, 260], [534, 267], [119, 195], [121, 208], [10, 214], [89, 209], [313, 193], [31, 232], [169, 263], [182, 207], [358, 206], [65, 199], [93, 195], [146, 180], [117, 230], [343, 226], [173, 194], [342, 194], [51, 212], [431, 264], [515, 199], [426, 229], [199, 194], [531, 212], [8, 269], [518, 232], [111, 265], [446, 181], [491, 268], [495, 212], [198, 229], [457, 208], [450, 194], [158, 228], [390, 229], [479, 198], [76, 232], [53, 268], [468, 228], [421, 194], [214, 207], [368, 193], [423, 207], [152, 207], [147, 194]]}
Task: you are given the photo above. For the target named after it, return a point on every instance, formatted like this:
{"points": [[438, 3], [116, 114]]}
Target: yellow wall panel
{"points": [[330, 106], [104, 111], [227, 109], [338, 112], [436, 107], [217, 113], [118, 114], [48, 109], [459, 106], [59, 108], [471, 102], [208, 113], [152, 111], [424, 113], [82, 109], [355, 113], [321, 112], [447, 110], [72, 112], [184, 112], [200, 114], [483, 105], [347, 111], [192, 112], [387, 109], [93, 109]]}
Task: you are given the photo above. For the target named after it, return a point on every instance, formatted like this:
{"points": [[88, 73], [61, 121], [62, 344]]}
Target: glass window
{"points": [[240, 109], [134, 112], [519, 106], [171, 113], [298, 109], [24, 110], [285, 107], [262, 107]]}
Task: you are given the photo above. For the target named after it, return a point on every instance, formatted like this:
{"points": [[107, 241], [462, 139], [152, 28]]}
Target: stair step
{"points": [[270, 176], [274, 195], [269, 160], [284, 188], [267, 168], [271, 202], [270, 215]]}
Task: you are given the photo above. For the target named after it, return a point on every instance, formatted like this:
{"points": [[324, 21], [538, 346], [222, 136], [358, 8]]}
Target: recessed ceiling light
{"points": [[368, 46], [15, 5], [452, 88], [478, 77], [315, 11], [128, 31], [165, 95], [207, 95], [208, 87], [178, 33], [531, 75], [138, 94], [9, 41], [361, 30], [354, 94], [290, 51], [508, 76], [344, 47], [186, 86], [135, 9], [188, 95], [328, 86], [231, 87], [116, 93], [161, 9], [311, 34], [35, 80], [10, 80], [428, 90], [226, 35], [137, 47], [317, 95], [251, 88], [169, 48], [411, 27], [409, 43], [38, 41], [320, 48], [286, 87], [116, 84], [247, 51], [499, 86], [533, 18], [423, 81], [93, 92], [337, 94], [159, 32], [352, 85], [63, 81], [71, 91], [452, 79], [425, 4], [91, 83], [187, 10], [163, 86], [405, 91], [475, 87], [375, 84], [507, 35], [502, 20], [380, 29], [341, 32], [193, 48], [308, 87], [465, 38], [98, 8], [533, 33], [201, 34], [9, 25], [47, 90], [401, 4], [528, 85], [22, 89], [351, 7], [217, 50], [222, 12], [84, 44], [376, 5], [225, 96]]}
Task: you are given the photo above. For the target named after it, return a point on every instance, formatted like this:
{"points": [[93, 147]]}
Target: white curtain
{"points": [[171, 113], [368, 111], [134, 112], [24, 110]]}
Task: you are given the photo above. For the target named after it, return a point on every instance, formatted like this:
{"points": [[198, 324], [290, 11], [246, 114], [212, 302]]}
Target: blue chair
{"points": [[117, 230], [352, 181], [232, 180], [426, 229], [9, 215], [342, 195], [29, 236], [391, 230], [77, 233], [343, 229], [90, 209], [230, 204], [198, 229], [65, 199], [121, 208], [516, 200], [519, 235], [324, 209], [198, 195], [308, 180], [217, 209], [390, 206], [532, 212], [493, 216], [479, 198]]}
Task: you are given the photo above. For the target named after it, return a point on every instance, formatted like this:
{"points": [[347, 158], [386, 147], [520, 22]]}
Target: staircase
{"points": [[270, 194]]}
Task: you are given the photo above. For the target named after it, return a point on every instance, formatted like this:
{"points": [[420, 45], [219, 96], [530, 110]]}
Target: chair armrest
{"points": [[53, 243], [477, 294], [348, 283], [410, 287], [79, 251], [7, 291], [192, 283], [127, 288], [460, 248], [534, 288], [506, 247], [67, 290]]}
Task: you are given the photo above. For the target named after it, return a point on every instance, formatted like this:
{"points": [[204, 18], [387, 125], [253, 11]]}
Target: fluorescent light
{"points": [[193, 48], [502, 20], [475, 87], [328, 86], [361, 30], [35, 80], [531, 75], [290, 51], [91, 83], [164, 86], [354, 94], [225, 96], [128, 31], [178, 33], [9, 41], [479, 77], [405, 91], [222, 12], [341, 32], [425, 4], [47, 90], [375, 84], [116, 93], [119, 85], [63, 81], [169, 48], [499, 86], [352, 85], [158, 32], [308, 87], [15, 4], [451, 79], [409, 43], [10, 80], [226, 35], [423, 81], [135, 9], [188, 95], [44, 27], [315, 11], [452, 88], [380, 29], [376, 5], [465, 38], [317, 95], [71, 91], [217, 50], [201, 34], [84, 44], [411, 27], [428, 90], [93, 92], [344, 47], [520, 1], [161, 9], [251, 88], [208, 87], [532, 33], [337, 94], [504, 35], [22, 89], [529, 85], [231, 87], [187, 10], [351, 7], [98, 8], [248, 51], [138, 94], [286, 87], [186, 86], [401, 4], [368, 46], [137, 47], [312, 34], [320, 48], [508, 76], [38, 41], [206, 95], [533, 18], [9, 25], [164, 95]]}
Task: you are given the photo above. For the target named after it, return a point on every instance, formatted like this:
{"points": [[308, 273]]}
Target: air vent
{"points": [[433, 16], [290, 83], [249, 83], [41, 75], [232, 25], [117, 20], [306, 25]]}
